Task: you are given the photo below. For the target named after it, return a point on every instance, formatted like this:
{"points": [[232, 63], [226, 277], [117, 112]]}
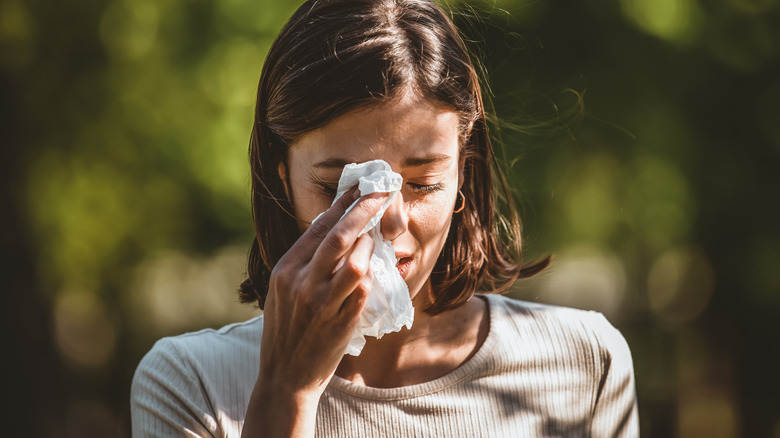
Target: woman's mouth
{"points": [[403, 264]]}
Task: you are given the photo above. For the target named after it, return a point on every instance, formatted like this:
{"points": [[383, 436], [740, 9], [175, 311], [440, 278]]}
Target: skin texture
{"points": [[418, 221], [318, 288]]}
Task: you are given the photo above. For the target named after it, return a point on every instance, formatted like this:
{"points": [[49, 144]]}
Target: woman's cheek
{"points": [[309, 203], [433, 217]]}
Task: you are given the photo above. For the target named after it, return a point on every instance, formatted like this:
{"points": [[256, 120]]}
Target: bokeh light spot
{"points": [[16, 34], [173, 291], [662, 204], [80, 209], [707, 411], [585, 278], [84, 331], [672, 20], [228, 74], [128, 29], [680, 284], [590, 202]]}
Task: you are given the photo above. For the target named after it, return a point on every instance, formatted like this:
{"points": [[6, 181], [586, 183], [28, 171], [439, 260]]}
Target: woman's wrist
{"points": [[287, 395], [279, 410]]}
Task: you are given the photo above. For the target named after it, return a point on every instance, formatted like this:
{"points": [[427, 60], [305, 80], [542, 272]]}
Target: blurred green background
{"points": [[125, 200]]}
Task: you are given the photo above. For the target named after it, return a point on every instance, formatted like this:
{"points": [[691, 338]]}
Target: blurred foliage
{"points": [[126, 205]]}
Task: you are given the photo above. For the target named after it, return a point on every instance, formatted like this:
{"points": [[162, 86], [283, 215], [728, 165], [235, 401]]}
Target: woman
{"points": [[348, 81]]}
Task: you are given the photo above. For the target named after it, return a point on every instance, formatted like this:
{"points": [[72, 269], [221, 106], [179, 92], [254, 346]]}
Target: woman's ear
{"points": [[282, 169]]}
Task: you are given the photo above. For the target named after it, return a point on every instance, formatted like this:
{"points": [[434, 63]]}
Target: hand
{"points": [[316, 293]]}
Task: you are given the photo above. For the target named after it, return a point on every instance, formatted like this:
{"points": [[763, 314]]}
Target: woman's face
{"points": [[420, 141]]}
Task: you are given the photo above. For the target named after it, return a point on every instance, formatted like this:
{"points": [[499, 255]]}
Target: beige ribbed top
{"points": [[542, 371]]}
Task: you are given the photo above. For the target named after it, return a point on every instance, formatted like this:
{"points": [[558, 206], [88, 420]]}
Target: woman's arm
{"points": [[615, 413], [166, 398], [316, 293]]}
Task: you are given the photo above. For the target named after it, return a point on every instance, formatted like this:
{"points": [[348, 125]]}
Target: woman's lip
{"points": [[403, 265]]}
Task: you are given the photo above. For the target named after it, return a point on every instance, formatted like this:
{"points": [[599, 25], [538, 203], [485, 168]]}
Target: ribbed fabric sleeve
{"points": [[197, 384], [542, 371]]}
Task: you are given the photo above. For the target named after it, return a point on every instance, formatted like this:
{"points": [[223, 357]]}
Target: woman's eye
{"points": [[424, 189], [328, 190]]}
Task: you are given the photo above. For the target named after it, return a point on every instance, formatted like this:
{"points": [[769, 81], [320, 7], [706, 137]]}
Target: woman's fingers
{"points": [[353, 305], [354, 272], [343, 235], [318, 273], [303, 249]]}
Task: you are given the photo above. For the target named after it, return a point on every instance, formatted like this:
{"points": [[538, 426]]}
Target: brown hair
{"points": [[334, 56]]}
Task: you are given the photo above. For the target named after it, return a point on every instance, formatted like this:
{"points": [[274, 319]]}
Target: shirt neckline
{"points": [[452, 378]]}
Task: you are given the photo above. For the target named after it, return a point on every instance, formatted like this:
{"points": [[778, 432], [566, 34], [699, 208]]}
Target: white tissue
{"points": [[388, 307]]}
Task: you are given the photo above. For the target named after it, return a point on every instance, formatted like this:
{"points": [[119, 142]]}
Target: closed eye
{"points": [[424, 189], [328, 190], [420, 189], [327, 187]]}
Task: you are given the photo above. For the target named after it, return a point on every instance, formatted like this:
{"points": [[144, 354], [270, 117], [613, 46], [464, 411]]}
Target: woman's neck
{"points": [[433, 347]]}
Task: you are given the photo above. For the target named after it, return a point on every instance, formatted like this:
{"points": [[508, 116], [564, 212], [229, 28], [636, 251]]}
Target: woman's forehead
{"points": [[410, 132], [416, 160]]}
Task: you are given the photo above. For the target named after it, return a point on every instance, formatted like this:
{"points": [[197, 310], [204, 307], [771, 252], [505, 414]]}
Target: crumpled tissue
{"points": [[388, 307]]}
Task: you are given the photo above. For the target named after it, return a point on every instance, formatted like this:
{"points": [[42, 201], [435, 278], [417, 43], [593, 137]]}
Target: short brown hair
{"points": [[335, 56]]}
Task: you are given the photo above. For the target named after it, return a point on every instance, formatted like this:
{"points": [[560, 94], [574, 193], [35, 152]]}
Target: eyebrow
{"points": [[332, 162], [409, 162], [421, 161]]}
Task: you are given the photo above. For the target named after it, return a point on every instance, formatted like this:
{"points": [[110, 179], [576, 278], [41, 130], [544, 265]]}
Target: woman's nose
{"points": [[395, 220]]}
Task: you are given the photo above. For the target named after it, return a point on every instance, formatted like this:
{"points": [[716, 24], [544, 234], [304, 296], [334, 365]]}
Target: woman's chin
{"points": [[420, 294]]}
